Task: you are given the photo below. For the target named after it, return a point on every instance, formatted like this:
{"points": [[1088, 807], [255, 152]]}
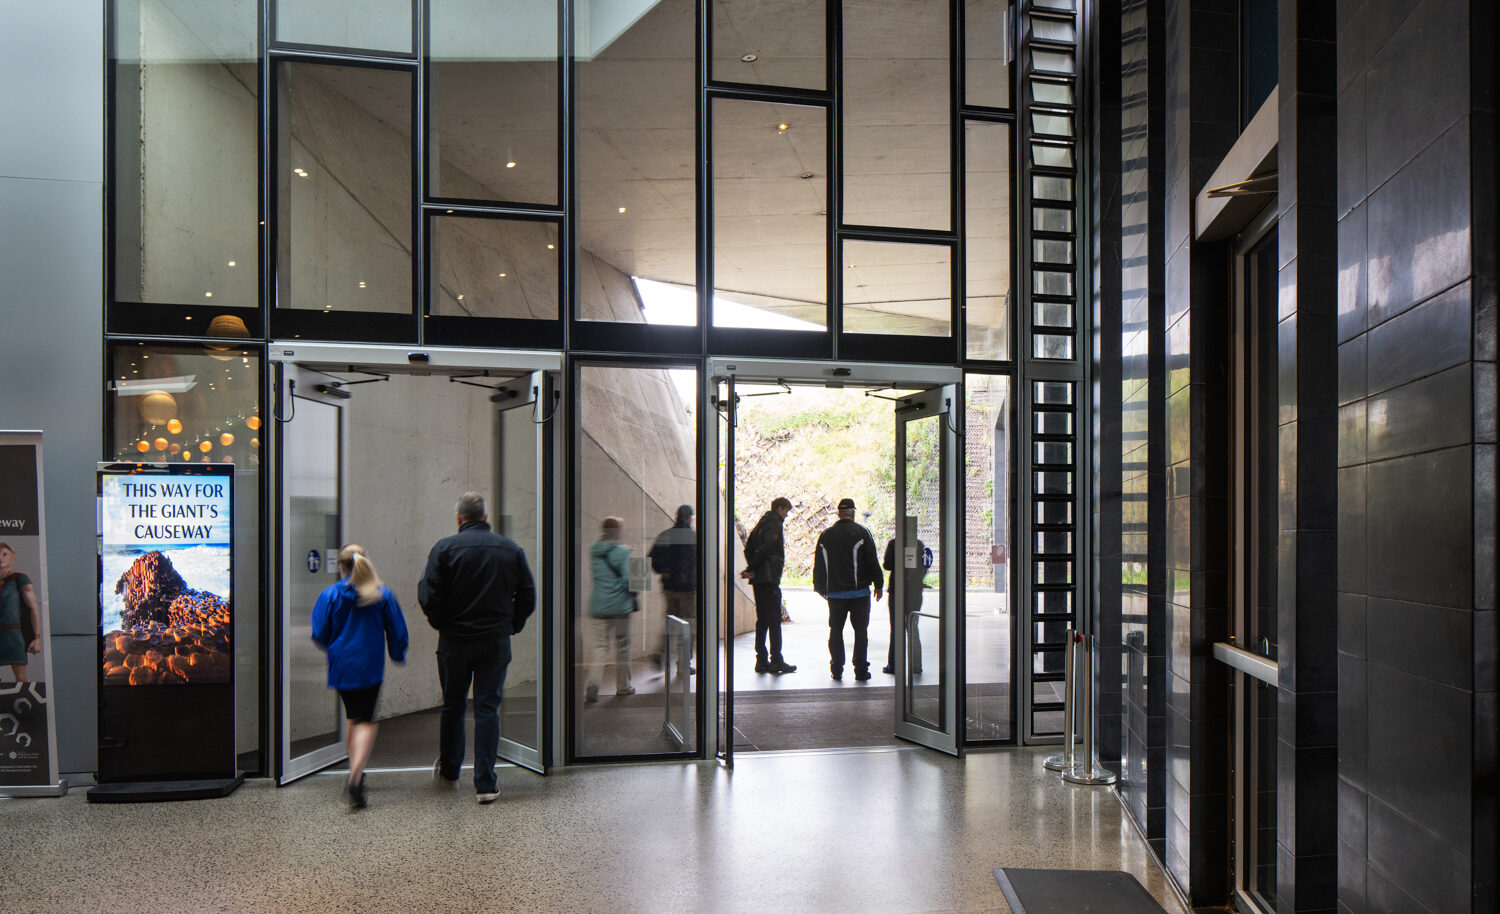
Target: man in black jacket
{"points": [[477, 591], [844, 567], [765, 557], [674, 556]]}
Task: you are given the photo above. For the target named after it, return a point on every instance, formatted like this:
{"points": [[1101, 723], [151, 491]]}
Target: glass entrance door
{"points": [[926, 571], [525, 408], [311, 438]]}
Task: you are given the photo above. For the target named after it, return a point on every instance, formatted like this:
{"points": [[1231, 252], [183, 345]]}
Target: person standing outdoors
{"points": [[477, 591], [357, 621], [674, 556], [844, 567], [765, 558]]}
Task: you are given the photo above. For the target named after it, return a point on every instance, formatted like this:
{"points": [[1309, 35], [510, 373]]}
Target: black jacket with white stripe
{"points": [[845, 559]]}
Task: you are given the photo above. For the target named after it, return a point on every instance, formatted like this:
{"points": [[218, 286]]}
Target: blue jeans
{"points": [[484, 662]]}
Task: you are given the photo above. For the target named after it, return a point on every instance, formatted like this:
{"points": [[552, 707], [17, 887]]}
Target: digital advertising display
{"points": [[165, 554]]}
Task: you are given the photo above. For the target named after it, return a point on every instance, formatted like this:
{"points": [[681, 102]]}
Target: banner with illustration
{"points": [[28, 741], [165, 561]]}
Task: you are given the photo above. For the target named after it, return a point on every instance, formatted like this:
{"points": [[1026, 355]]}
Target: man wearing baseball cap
{"points": [[845, 565]]}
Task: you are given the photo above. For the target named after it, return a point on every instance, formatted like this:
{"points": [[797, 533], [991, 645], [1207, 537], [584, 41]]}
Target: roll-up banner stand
{"points": [[28, 724], [166, 636]]}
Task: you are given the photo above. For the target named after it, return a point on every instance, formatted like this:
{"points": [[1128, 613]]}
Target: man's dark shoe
{"points": [[888, 670], [781, 666], [862, 676], [838, 674], [762, 666]]}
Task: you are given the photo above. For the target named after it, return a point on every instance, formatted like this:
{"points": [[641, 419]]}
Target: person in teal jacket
{"points": [[357, 621], [610, 606]]}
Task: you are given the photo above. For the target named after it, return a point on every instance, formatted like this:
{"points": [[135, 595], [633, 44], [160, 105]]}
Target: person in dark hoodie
{"points": [[844, 567], [765, 558], [674, 556], [477, 591]]}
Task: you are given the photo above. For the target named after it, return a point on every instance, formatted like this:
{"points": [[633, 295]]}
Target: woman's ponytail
{"points": [[362, 574]]}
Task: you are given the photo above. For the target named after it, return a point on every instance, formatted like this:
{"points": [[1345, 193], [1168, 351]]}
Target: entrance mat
{"points": [[1074, 892]]}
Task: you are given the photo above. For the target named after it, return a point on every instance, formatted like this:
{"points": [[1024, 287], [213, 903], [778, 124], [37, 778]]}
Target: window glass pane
{"points": [[493, 268], [987, 223], [773, 44], [1052, 61], [903, 289], [1051, 346], [174, 404], [344, 191], [186, 224], [987, 493], [636, 108], [987, 52], [896, 110], [492, 86], [377, 25], [636, 464], [770, 216]]}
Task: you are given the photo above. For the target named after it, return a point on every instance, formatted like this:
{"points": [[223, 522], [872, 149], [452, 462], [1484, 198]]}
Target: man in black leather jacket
{"points": [[765, 558], [477, 591]]}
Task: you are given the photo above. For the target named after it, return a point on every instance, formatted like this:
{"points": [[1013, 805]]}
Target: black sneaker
{"points": [[837, 674], [781, 666], [357, 796], [888, 670], [762, 666], [862, 676]]}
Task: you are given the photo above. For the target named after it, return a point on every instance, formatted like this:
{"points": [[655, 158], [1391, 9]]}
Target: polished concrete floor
{"points": [[887, 830]]}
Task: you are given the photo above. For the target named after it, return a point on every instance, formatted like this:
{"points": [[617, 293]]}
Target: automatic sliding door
{"points": [[523, 426], [926, 561], [311, 436]]}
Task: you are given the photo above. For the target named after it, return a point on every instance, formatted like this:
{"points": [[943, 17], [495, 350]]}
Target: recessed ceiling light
{"points": [[510, 164], [208, 295], [550, 247], [783, 127], [361, 283], [502, 275], [806, 175], [460, 296], [750, 58], [231, 263], [622, 209], [188, 318]]}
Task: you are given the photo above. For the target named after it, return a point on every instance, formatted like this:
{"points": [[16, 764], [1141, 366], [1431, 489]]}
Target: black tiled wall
{"points": [[1202, 122], [1307, 364], [1416, 442], [1107, 275], [1142, 562]]}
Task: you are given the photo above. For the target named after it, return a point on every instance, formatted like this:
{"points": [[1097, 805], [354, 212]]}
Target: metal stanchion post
{"points": [[1064, 761], [1088, 772]]}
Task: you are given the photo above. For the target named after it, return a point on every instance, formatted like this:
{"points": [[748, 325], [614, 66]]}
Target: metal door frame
{"points": [[289, 768], [731, 371], [937, 402], [283, 355]]}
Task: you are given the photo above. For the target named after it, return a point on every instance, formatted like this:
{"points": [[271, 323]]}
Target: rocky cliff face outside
{"points": [[171, 633]]}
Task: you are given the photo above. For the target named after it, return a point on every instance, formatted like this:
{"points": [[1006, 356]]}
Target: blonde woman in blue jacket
{"points": [[610, 606], [357, 621]]}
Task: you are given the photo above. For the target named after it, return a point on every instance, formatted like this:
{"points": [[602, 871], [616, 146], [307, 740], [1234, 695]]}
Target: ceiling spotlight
{"points": [[502, 275], [783, 127], [361, 283], [621, 209], [460, 296], [750, 58], [550, 247], [510, 164], [231, 263], [806, 175], [208, 295]]}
